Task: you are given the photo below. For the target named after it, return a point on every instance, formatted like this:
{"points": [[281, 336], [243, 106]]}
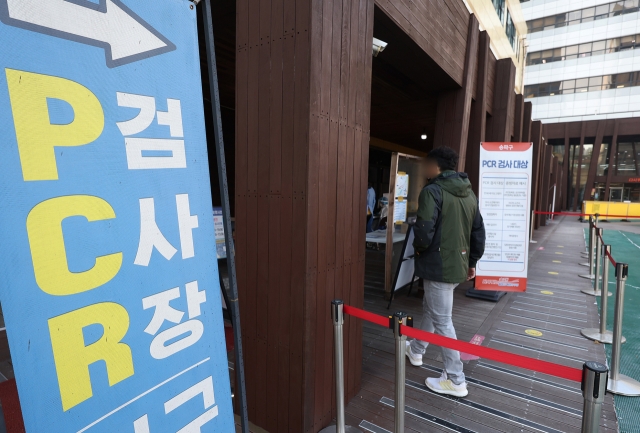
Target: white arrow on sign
{"points": [[111, 25]]}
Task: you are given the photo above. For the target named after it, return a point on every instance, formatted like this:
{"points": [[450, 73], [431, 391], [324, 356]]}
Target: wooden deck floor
{"points": [[501, 398]]}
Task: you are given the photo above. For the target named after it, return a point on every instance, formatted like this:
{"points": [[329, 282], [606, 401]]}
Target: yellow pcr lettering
{"points": [[48, 253], [72, 358], [36, 136]]}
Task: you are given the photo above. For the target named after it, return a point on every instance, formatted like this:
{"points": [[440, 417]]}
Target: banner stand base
{"points": [[486, 295]]}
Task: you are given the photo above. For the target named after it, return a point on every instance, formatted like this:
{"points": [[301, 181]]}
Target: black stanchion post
{"points": [[594, 387], [399, 319], [337, 318], [619, 383]]}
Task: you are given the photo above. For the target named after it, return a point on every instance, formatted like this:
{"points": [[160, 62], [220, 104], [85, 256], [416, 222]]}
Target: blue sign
{"points": [[108, 272]]}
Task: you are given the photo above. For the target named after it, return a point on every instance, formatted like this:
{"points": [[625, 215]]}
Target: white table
{"points": [[380, 237]]}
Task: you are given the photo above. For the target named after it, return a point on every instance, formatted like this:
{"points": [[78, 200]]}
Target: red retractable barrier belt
{"points": [[365, 315], [549, 368], [496, 355], [537, 212], [613, 262]]}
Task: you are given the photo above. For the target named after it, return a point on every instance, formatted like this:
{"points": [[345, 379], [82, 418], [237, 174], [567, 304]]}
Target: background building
{"points": [[583, 77]]}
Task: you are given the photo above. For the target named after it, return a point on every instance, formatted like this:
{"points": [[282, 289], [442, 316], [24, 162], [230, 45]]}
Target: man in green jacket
{"points": [[449, 241]]}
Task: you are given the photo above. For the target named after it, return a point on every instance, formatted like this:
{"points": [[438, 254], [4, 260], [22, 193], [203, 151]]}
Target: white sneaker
{"points": [[414, 359], [443, 385]]}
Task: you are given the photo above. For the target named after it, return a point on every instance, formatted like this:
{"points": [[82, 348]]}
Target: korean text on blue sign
{"points": [[108, 273]]}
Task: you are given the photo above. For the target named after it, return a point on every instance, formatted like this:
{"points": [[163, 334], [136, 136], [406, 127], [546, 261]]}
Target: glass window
{"points": [[630, 6], [585, 48], [607, 82], [530, 91], [598, 46], [627, 42], [511, 31], [573, 49], [595, 81], [625, 159], [574, 15], [588, 12], [602, 11], [568, 84], [554, 88], [622, 80], [617, 7], [543, 89], [499, 7], [582, 82]]}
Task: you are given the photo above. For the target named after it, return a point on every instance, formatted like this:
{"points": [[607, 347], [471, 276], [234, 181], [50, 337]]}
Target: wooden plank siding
{"points": [[478, 115], [500, 125], [303, 80], [454, 107], [438, 27], [491, 79]]}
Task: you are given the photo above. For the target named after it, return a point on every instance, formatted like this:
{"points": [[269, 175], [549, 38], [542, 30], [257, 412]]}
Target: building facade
{"points": [[303, 102], [581, 59], [583, 78]]}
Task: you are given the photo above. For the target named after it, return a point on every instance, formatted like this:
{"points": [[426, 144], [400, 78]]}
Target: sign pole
{"points": [[226, 213]]}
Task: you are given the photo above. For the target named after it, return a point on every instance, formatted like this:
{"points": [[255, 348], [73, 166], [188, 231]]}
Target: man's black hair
{"points": [[445, 157]]}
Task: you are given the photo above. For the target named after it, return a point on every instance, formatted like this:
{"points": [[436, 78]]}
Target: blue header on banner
{"points": [[108, 272]]}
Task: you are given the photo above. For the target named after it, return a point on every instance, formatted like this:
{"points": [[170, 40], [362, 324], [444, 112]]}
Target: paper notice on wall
{"points": [[402, 184], [505, 200], [218, 224], [399, 210]]}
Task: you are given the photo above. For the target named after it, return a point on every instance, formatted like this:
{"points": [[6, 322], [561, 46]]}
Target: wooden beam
{"points": [[499, 125], [613, 152], [478, 115], [454, 107], [526, 122], [567, 179], [536, 139], [303, 98], [545, 167], [518, 121], [576, 188], [593, 164]]}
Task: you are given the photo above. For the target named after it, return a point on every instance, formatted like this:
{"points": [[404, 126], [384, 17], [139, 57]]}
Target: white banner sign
{"points": [[505, 205]]}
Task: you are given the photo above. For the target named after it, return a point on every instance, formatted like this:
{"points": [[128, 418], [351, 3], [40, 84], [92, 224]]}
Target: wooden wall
{"points": [[303, 83], [439, 27]]}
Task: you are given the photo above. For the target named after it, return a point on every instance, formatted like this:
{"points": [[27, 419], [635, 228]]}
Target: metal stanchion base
{"points": [[533, 242], [586, 265], [595, 335], [589, 276], [595, 292], [624, 385]]}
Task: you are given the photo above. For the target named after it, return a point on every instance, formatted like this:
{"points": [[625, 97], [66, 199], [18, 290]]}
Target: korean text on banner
{"points": [[108, 272], [505, 205]]}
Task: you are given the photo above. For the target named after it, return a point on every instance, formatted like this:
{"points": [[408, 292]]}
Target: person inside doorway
{"points": [[371, 204], [449, 241]]}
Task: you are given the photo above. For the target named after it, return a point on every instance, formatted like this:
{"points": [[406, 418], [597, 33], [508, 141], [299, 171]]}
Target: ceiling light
{"points": [[378, 46], [424, 134]]}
